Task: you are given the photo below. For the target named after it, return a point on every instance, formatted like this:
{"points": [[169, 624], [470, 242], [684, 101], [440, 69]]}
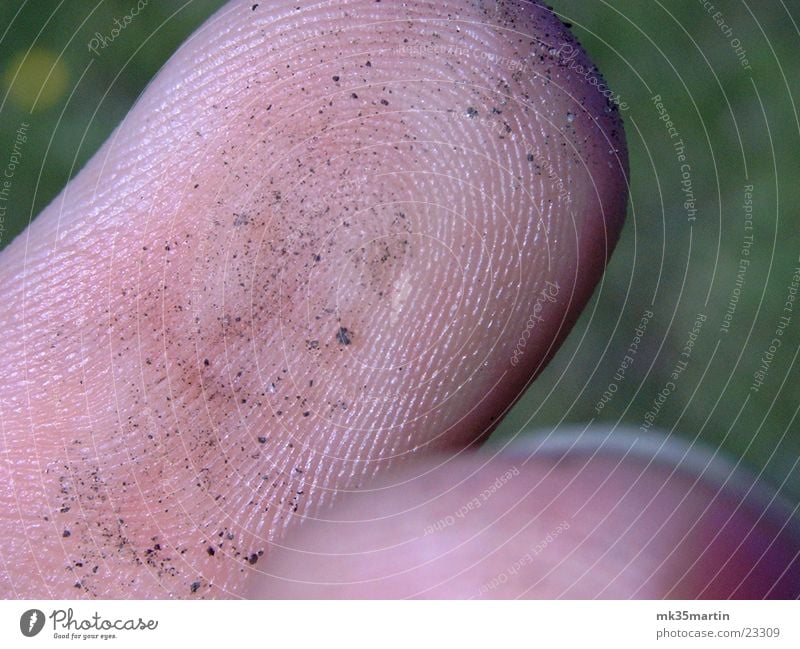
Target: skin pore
{"points": [[308, 255]]}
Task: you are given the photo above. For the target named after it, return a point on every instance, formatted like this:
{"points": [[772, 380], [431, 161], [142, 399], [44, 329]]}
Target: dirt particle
{"points": [[343, 336]]}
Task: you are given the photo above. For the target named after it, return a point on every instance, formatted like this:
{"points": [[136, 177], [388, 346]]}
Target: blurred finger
{"points": [[581, 516]]}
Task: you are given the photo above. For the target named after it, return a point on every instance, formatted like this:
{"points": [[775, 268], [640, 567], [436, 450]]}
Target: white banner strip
{"points": [[386, 624]]}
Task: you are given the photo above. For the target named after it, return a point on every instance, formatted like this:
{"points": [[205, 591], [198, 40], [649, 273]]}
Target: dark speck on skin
{"points": [[252, 559], [343, 336], [195, 586]]}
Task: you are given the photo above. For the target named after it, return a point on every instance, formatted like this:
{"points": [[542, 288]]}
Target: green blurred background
{"points": [[739, 126]]}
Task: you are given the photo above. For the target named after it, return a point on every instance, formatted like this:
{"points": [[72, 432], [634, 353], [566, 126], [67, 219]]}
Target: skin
{"points": [[632, 518], [307, 256]]}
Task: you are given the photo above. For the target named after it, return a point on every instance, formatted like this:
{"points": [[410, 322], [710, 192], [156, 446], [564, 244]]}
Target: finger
{"points": [[323, 240], [582, 518]]}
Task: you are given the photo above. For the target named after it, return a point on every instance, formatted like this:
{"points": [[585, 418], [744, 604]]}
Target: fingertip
{"points": [[581, 517]]}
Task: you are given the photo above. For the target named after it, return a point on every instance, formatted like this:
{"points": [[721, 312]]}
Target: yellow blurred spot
{"points": [[36, 81]]}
